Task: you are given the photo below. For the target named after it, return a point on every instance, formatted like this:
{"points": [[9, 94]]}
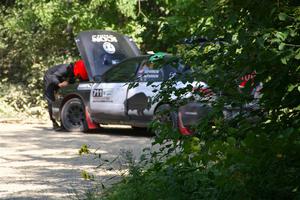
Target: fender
{"points": [[89, 121]]}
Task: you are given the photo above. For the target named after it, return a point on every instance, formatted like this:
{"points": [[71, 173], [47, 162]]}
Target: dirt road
{"points": [[38, 163]]}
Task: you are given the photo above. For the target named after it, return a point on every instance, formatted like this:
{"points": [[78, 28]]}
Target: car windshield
{"points": [[123, 72]]}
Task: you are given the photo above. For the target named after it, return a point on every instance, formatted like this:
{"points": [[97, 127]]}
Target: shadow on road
{"points": [[135, 132], [39, 163]]}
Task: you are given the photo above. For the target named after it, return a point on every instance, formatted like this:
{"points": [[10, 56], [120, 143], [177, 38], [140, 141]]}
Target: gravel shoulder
{"points": [[39, 163]]}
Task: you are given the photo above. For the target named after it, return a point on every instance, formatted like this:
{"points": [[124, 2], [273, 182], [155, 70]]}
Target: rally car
{"points": [[113, 61]]}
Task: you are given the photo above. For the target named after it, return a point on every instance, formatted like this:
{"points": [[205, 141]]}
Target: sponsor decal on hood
{"points": [[101, 49]]}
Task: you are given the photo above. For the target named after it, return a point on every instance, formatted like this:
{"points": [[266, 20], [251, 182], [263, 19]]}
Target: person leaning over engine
{"points": [[60, 76]]}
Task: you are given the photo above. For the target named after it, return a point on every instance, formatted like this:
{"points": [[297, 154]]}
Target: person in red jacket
{"points": [[60, 76]]}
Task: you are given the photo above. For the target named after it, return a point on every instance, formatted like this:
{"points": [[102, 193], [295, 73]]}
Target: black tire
{"points": [[164, 114], [73, 116]]}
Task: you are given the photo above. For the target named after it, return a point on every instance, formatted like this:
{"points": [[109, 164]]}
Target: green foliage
{"points": [[84, 150], [17, 103], [87, 176], [168, 182], [252, 156], [36, 35]]}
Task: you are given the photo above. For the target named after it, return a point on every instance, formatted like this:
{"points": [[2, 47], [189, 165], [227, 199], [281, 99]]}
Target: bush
{"points": [[239, 158], [19, 102]]}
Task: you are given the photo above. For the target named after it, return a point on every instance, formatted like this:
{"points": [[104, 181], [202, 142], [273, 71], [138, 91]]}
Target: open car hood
{"points": [[101, 49]]}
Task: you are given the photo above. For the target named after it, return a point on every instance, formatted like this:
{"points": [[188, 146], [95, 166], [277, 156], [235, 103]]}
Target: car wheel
{"points": [[73, 116], [164, 114]]}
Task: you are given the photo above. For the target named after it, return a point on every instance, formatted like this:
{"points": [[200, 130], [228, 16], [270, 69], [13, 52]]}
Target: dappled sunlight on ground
{"points": [[38, 163]]}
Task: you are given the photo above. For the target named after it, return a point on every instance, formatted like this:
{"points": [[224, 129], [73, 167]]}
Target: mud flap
{"points": [[191, 114], [90, 123], [182, 129]]}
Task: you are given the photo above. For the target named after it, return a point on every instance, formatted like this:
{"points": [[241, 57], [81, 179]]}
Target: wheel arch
{"points": [[89, 121], [159, 104], [70, 96]]}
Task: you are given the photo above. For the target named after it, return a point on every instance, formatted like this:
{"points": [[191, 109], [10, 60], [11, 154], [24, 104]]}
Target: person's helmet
{"points": [[80, 71], [156, 57]]}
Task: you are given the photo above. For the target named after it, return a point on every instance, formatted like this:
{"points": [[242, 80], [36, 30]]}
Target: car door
{"points": [[140, 98], [108, 98]]}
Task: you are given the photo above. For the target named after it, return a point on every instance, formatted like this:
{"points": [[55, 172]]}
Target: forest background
{"points": [[236, 159]]}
